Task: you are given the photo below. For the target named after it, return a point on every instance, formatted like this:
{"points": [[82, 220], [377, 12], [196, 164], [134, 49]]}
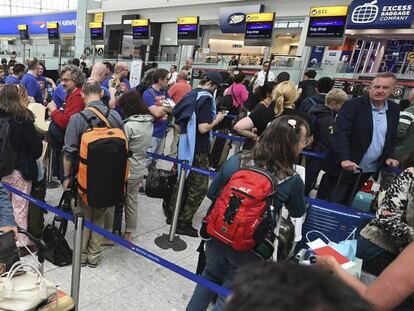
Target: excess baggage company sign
{"points": [[381, 14]]}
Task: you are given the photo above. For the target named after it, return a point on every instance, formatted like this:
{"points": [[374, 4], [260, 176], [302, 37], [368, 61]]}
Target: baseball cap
{"points": [[215, 77]]}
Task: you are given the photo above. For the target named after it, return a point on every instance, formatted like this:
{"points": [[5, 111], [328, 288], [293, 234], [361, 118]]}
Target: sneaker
{"points": [[106, 242], [84, 263], [186, 229], [141, 190], [92, 265]]}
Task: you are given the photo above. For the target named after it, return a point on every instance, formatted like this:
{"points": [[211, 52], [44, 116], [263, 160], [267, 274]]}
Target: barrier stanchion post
{"points": [[171, 240], [76, 259]]}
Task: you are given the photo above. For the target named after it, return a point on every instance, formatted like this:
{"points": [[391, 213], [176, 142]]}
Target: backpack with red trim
{"points": [[242, 215]]}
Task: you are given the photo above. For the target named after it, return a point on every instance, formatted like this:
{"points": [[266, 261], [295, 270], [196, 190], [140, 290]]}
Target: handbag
{"points": [[158, 182], [9, 254], [26, 291], [59, 252], [347, 247]]}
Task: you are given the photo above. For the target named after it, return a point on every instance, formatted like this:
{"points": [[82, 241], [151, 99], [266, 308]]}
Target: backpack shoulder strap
{"points": [[100, 116]]}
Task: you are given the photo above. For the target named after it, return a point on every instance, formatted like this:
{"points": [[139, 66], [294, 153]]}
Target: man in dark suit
{"points": [[365, 136]]}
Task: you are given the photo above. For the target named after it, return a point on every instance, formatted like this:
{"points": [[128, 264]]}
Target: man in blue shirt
{"points": [[30, 80], [155, 98], [59, 95], [120, 73], [16, 77], [365, 136]]}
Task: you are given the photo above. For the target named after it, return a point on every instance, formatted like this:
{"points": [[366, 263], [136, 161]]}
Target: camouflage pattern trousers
{"points": [[195, 189]]}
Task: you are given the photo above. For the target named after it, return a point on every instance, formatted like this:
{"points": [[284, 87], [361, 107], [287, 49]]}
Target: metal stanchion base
{"points": [[177, 245], [52, 184]]}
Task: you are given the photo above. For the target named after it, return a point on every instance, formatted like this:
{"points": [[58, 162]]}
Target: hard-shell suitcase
{"points": [[219, 151], [363, 201], [35, 217]]}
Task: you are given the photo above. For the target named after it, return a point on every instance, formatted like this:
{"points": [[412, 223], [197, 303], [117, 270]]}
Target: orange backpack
{"points": [[103, 163]]}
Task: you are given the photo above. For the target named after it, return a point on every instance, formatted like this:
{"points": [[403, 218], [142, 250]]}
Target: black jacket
{"points": [[27, 145], [322, 127], [353, 133]]}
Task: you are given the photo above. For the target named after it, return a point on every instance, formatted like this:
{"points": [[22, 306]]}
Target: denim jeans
{"points": [[157, 147], [375, 259], [6, 209], [222, 263]]}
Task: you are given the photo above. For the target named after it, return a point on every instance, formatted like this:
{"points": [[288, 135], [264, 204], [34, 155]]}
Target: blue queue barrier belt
{"points": [[132, 247], [230, 137]]}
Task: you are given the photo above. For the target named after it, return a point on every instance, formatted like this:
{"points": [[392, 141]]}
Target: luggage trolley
{"points": [[64, 301]]}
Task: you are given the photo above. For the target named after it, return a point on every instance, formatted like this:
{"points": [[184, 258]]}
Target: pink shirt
{"points": [[239, 93]]}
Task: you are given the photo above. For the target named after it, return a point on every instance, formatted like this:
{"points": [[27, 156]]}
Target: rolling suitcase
{"points": [[363, 201], [35, 217], [219, 151]]}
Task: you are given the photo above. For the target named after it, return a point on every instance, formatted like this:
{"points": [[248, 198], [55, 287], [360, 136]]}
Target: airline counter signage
{"points": [[187, 27], [381, 14], [23, 32], [259, 26], [327, 22], [97, 31], [53, 31], [140, 29]]}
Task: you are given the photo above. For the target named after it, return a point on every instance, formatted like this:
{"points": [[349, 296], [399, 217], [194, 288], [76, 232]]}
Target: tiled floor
{"points": [[126, 281]]}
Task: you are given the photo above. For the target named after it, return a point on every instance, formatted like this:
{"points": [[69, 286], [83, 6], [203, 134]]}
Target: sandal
{"points": [[127, 236]]}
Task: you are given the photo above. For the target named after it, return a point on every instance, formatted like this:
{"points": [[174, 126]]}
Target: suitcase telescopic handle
{"points": [[359, 172]]}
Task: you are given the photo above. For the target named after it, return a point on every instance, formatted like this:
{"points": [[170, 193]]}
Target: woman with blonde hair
{"points": [[284, 97], [28, 147]]}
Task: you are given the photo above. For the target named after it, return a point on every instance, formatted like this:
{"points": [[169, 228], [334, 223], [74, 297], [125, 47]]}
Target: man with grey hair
{"points": [[91, 93], [29, 80], [72, 80]]}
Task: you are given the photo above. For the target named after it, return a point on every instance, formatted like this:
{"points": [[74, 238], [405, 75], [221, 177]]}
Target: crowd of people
{"points": [[279, 120]]}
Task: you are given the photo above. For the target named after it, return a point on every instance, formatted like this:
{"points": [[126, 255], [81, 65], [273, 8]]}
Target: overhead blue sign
{"points": [[380, 14], [38, 23], [233, 19]]}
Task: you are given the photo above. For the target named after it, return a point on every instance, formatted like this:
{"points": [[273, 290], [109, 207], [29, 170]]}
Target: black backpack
{"points": [[8, 156]]}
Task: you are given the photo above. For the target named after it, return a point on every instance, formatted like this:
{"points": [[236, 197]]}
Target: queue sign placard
{"points": [[24, 33], [97, 32], [187, 30], [259, 29], [326, 25], [53, 32]]}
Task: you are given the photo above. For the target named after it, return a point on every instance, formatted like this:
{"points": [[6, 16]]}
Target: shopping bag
{"points": [[347, 247]]}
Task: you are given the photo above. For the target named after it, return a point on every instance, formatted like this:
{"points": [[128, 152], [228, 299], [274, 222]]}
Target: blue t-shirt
{"points": [[12, 80], [105, 83], [59, 95], [150, 98], [32, 87]]}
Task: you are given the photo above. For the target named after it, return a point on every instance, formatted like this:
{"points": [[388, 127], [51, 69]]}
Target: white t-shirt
{"points": [[173, 78], [261, 76]]}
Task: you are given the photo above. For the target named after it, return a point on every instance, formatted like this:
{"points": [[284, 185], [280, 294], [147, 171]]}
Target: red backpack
{"points": [[239, 215]]}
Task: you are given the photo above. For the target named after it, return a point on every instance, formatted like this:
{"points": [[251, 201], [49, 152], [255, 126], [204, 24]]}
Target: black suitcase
{"points": [[219, 151], [35, 217]]}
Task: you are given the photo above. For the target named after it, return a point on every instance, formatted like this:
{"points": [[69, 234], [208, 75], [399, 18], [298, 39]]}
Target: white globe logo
{"points": [[364, 14]]}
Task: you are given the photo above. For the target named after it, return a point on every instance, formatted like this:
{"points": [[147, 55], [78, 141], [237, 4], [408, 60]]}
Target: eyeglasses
{"points": [[305, 141], [66, 80]]}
